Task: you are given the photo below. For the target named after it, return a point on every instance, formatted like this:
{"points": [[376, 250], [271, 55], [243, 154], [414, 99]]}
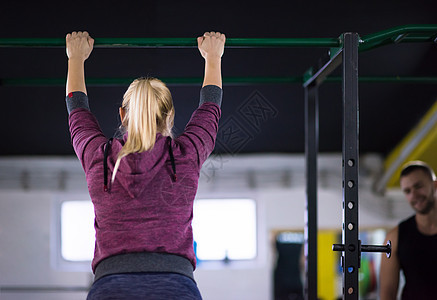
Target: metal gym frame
{"points": [[343, 51]]}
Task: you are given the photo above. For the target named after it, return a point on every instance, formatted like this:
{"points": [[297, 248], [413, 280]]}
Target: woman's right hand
{"points": [[79, 45], [211, 45]]}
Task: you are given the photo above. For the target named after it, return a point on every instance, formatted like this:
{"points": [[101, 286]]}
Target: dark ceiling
{"points": [[35, 118]]}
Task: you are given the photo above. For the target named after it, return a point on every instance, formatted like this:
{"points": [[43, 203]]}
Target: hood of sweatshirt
{"points": [[136, 170]]}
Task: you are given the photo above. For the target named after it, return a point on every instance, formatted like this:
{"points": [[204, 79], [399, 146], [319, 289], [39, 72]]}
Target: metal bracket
{"points": [[366, 248]]}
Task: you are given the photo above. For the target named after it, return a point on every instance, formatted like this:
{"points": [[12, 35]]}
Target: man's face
{"points": [[419, 190]]}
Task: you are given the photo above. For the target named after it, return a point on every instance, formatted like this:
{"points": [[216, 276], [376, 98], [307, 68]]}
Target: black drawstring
{"points": [[105, 166], [173, 164]]}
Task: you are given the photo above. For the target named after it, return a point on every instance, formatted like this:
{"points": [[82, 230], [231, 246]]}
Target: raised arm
{"points": [[389, 271], [79, 46], [211, 46]]}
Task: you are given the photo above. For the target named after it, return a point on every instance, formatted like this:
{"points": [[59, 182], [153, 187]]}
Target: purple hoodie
{"points": [[145, 209]]}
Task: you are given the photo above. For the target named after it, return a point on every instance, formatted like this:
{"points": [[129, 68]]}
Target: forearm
{"points": [[76, 76], [389, 278], [213, 72], [388, 295]]}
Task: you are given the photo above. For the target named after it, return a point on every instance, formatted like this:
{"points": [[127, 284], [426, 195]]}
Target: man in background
{"points": [[414, 240]]}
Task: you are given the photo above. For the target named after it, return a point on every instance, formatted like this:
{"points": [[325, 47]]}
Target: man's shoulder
{"points": [[392, 233], [408, 221]]}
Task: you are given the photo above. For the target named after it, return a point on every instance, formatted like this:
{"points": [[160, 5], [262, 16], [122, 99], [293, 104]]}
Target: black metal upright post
{"points": [[311, 149], [352, 247], [311, 86]]}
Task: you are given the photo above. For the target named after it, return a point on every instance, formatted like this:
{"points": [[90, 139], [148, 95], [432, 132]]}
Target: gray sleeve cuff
{"points": [[76, 100], [211, 93]]}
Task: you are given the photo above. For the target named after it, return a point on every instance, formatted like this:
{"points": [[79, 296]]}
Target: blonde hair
{"points": [[148, 107]]}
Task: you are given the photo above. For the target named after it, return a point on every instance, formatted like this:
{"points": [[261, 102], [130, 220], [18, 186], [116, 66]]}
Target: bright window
{"points": [[225, 228], [77, 230]]}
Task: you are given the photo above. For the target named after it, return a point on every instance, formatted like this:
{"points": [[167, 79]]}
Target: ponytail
{"points": [[148, 107]]}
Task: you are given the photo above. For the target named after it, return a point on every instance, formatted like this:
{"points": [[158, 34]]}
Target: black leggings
{"points": [[144, 286]]}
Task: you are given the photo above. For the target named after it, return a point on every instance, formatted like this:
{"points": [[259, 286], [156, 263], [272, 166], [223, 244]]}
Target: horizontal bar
{"points": [[392, 79], [172, 42], [338, 247], [375, 248], [412, 33], [283, 42], [366, 248], [11, 82], [167, 80], [406, 33]]}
